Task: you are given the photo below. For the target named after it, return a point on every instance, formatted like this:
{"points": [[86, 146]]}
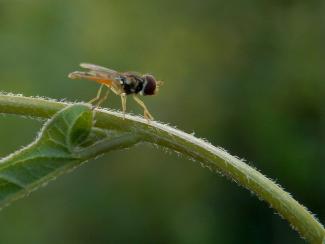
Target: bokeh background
{"points": [[248, 76]]}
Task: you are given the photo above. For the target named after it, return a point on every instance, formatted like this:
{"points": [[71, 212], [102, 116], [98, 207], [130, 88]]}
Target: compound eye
{"points": [[150, 78], [150, 85]]}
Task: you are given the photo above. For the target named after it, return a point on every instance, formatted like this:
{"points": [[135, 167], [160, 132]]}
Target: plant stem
{"points": [[214, 158]]}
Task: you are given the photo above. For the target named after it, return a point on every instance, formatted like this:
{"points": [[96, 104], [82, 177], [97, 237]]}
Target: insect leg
{"points": [[98, 94], [146, 113], [103, 98], [123, 99]]}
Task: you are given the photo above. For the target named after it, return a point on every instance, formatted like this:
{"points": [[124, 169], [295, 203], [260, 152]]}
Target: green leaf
{"points": [[58, 148]]}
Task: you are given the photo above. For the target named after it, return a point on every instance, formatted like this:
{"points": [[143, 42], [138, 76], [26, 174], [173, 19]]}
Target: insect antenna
{"points": [[159, 83]]}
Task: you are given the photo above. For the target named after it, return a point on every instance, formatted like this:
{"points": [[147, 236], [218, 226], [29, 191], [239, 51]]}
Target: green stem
{"points": [[215, 158]]}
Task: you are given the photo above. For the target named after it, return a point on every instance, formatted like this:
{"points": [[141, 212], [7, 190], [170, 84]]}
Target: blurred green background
{"points": [[246, 75]]}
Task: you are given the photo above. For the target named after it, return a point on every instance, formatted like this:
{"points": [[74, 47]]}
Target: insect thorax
{"points": [[131, 84]]}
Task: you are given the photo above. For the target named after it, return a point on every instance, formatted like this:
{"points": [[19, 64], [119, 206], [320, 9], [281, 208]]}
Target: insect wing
{"points": [[97, 72], [97, 68]]}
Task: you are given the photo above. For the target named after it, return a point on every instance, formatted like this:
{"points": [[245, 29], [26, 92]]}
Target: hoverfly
{"points": [[122, 84]]}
